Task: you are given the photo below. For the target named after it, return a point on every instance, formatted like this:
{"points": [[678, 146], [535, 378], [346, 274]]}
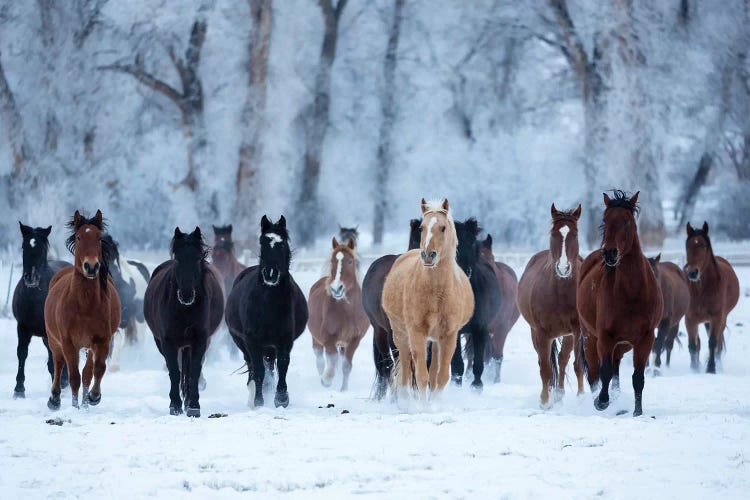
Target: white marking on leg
{"points": [[430, 225], [273, 238], [251, 393]]}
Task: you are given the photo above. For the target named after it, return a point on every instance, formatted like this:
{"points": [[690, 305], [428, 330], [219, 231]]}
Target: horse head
{"points": [[189, 253], [563, 240], [619, 231], [275, 254], [35, 246]]}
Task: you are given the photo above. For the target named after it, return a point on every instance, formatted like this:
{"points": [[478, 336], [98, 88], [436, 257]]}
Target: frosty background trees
{"points": [[185, 112]]}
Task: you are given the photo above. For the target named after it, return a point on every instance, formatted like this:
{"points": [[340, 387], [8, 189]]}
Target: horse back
{"points": [[675, 292], [729, 277], [372, 290], [508, 313]]}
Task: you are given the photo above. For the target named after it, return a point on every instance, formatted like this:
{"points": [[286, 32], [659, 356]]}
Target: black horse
{"points": [[384, 350], [266, 312], [29, 297], [487, 300], [129, 308], [183, 306], [349, 233]]}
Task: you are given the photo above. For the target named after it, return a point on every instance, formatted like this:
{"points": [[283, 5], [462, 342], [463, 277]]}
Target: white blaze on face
{"points": [[563, 255], [273, 238], [32, 242], [430, 225], [337, 279], [88, 229]]}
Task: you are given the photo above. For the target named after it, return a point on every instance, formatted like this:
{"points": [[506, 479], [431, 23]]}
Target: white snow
{"points": [[692, 442]]}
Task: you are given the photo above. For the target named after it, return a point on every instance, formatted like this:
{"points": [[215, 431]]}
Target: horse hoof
{"points": [[175, 410], [325, 382], [477, 386], [94, 398], [193, 412], [19, 394], [458, 381], [711, 369], [637, 413], [259, 402], [281, 399], [53, 403], [600, 405], [74, 402]]}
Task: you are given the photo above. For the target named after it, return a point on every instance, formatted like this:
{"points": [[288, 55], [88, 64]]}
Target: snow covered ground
{"points": [[692, 442]]}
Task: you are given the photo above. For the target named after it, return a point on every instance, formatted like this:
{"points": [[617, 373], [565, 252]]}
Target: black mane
{"points": [[620, 199], [223, 229], [192, 240]]}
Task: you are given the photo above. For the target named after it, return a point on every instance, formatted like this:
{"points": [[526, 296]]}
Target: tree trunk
{"points": [[253, 121], [387, 107], [317, 125], [11, 117]]}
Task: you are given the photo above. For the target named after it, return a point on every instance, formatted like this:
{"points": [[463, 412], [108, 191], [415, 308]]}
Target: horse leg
{"points": [[715, 341], [197, 352], [669, 342], [346, 364], [497, 345], [332, 358], [51, 365], [59, 362], [258, 371], [101, 351], [579, 358], [284, 352], [433, 368], [694, 343], [22, 351], [543, 348], [640, 357], [320, 363], [70, 352], [118, 341], [480, 345], [446, 348], [568, 342], [457, 362], [419, 358], [383, 361], [171, 353], [591, 358], [606, 353], [88, 373], [661, 338], [619, 352]]}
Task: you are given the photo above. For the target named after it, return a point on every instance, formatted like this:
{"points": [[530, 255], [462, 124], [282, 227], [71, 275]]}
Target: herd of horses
{"points": [[420, 304]]}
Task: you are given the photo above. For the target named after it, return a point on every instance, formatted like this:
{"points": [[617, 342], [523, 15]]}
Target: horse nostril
{"points": [[86, 267], [433, 255], [423, 254]]}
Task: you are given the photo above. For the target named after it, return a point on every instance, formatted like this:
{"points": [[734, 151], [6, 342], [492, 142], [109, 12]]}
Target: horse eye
{"points": [[442, 229], [419, 229], [627, 223]]}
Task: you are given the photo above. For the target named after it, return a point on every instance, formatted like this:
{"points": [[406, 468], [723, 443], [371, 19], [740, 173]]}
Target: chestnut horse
{"points": [[619, 300], [547, 300], [337, 320], [428, 297], [82, 310], [384, 350], [222, 257], [714, 292], [676, 297]]}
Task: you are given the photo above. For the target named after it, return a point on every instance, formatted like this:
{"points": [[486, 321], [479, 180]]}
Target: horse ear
{"points": [[577, 212], [487, 243], [446, 207], [46, 231], [606, 200], [177, 232], [705, 227], [25, 230], [214, 228], [230, 229], [77, 218], [553, 210], [634, 198], [690, 230], [334, 242], [98, 218], [350, 243], [356, 228], [197, 232], [282, 222], [265, 224], [657, 259], [424, 205]]}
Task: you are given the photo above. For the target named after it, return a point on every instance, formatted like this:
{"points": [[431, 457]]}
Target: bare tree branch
{"points": [[148, 80]]}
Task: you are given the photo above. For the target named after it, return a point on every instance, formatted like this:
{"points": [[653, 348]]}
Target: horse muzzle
{"points": [[31, 280], [429, 259], [91, 270], [611, 257], [271, 277], [338, 292], [694, 275], [563, 271], [186, 302]]}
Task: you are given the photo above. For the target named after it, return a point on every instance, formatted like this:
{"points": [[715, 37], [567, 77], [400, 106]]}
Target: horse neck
{"points": [[712, 268], [633, 261]]}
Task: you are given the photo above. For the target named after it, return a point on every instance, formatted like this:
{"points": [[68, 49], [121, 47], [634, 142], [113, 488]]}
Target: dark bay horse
{"points": [[714, 292], [384, 350], [487, 301], [547, 300], [337, 319], [619, 300], [676, 298], [82, 310], [223, 258], [183, 306], [349, 233], [267, 311], [29, 297]]}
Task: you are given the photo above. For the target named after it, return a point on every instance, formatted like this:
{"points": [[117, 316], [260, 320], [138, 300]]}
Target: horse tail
{"points": [[554, 352], [581, 358]]}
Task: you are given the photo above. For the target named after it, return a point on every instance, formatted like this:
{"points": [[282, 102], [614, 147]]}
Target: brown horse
{"points": [[82, 310], [547, 300], [619, 300], [676, 298], [428, 297], [337, 319], [508, 313], [714, 291], [223, 258]]}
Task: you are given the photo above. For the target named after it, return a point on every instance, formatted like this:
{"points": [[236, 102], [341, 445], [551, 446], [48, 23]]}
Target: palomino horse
{"points": [[183, 306], [266, 312], [547, 300], [82, 310], [223, 258], [506, 316], [676, 298], [428, 297], [384, 350], [29, 297], [337, 318], [487, 301], [714, 292], [619, 300]]}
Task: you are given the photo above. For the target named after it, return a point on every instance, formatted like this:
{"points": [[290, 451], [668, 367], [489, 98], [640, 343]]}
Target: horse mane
{"points": [[620, 199], [199, 244], [107, 245], [437, 206], [115, 247]]}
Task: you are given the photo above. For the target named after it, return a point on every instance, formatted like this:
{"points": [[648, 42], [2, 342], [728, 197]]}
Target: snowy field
{"points": [[693, 440]]}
